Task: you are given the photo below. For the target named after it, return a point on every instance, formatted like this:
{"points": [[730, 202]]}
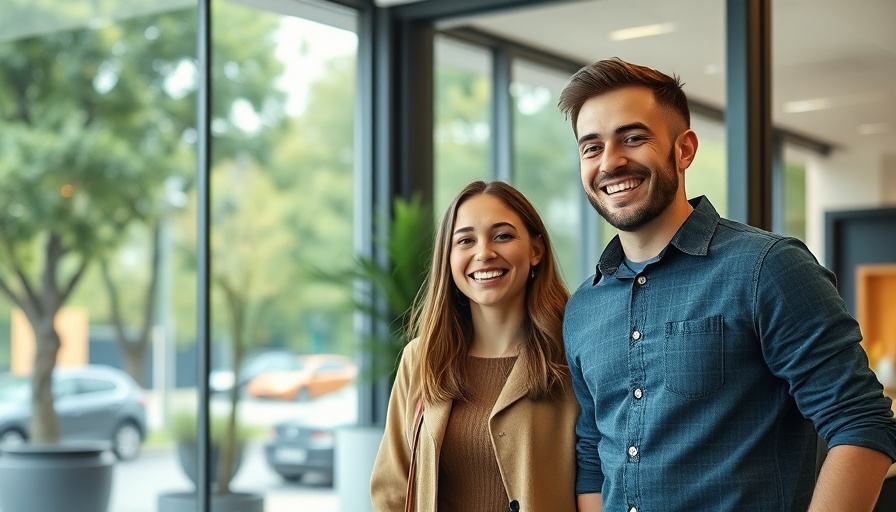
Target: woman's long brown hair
{"points": [[441, 318]]}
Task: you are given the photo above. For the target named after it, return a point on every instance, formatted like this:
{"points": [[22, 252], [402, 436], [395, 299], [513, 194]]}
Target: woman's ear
{"points": [[685, 149], [537, 250]]}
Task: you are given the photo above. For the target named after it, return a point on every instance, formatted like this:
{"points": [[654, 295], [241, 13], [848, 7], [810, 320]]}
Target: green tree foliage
{"points": [[92, 121], [315, 169]]}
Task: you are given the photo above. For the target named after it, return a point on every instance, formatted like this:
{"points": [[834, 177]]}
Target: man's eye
{"points": [[634, 139], [591, 148]]}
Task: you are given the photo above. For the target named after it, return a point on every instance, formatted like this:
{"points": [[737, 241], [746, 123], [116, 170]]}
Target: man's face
{"points": [[627, 157]]}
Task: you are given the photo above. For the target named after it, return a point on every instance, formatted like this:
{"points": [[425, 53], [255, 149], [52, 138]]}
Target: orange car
{"points": [[317, 374]]}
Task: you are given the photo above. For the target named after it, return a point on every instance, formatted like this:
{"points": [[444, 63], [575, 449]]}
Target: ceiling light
{"points": [[642, 31], [795, 107], [874, 128]]}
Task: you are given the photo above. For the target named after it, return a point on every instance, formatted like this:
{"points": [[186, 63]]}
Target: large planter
{"points": [[188, 456], [74, 477], [356, 448], [233, 502]]}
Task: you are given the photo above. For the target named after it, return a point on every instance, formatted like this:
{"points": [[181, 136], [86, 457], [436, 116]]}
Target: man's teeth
{"points": [[487, 274], [625, 185]]}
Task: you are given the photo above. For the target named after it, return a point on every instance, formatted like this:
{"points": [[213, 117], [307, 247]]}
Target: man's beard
{"points": [[665, 186]]}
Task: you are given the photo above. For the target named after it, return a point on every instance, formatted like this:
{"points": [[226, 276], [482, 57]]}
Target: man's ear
{"points": [[685, 149]]}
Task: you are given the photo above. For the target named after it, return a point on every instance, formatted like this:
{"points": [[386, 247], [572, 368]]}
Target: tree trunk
{"points": [[134, 358], [44, 422]]}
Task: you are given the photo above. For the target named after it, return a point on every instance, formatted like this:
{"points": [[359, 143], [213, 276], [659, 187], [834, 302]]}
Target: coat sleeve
{"points": [[390, 469]]}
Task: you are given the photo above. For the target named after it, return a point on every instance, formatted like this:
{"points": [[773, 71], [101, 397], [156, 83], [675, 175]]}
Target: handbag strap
{"points": [[412, 470]]}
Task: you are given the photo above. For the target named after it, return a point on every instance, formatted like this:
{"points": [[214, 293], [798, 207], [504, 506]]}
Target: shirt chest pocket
{"points": [[694, 356]]}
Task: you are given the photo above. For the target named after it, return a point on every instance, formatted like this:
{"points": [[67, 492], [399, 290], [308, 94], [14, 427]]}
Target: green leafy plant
{"points": [[182, 426], [391, 289]]}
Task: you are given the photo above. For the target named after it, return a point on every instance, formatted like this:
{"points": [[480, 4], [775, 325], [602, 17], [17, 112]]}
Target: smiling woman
{"points": [[487, 344]]}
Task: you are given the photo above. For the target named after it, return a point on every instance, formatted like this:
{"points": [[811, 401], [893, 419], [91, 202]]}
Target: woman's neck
{"points": [[496, 333]]}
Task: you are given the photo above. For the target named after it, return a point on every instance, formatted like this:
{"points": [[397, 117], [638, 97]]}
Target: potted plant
{"points": [[183, 429], [387, 297], [390, 289], [246, 242]]}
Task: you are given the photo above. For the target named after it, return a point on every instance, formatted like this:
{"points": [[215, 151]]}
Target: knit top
{"points": [[469, 479]]}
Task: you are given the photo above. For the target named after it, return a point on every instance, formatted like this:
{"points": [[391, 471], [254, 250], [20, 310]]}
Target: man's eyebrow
{"points": [[631, 126], [619, 130]]}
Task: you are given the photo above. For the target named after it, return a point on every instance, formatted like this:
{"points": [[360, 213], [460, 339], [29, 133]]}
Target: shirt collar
{"points": [[693, 238]]}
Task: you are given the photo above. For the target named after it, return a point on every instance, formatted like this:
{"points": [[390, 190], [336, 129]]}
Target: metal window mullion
{"points": [[203, 249], [748, 111], [501, 122]]}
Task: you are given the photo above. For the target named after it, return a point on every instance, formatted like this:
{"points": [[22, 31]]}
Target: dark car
{"points": [[298, 448], [93, 402]]}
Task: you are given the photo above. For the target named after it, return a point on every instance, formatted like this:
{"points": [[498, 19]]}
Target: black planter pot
{"points": [[188, 456], [233, 502], [75, 477]]}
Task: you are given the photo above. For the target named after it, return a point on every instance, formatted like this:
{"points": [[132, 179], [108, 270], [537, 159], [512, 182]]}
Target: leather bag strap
{"points": [[412, 470]]}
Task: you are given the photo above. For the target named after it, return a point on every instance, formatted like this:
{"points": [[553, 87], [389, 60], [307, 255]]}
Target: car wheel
{"points": [[303, 395], [12, 437], [126, 441]]}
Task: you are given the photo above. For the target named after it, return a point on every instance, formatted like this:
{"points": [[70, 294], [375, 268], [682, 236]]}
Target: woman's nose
{"points": [[485, 254]]}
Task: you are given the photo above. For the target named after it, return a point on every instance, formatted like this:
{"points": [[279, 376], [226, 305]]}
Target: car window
{"points": [[64, 387], [331, 367], [14, 388], [90, 385]]}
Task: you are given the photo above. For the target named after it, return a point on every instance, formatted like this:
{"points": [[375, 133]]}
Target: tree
{"points": [[248, 247], [91, 124], [243, 69]]}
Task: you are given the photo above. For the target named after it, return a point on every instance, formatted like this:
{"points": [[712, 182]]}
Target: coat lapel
{"points": [[516, 386]]}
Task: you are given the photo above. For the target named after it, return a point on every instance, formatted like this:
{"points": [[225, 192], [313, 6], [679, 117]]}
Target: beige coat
{"points": [[534, 445]]}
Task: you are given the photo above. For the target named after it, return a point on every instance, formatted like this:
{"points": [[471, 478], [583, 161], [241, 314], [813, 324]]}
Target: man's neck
{"points": [[648, 241]]}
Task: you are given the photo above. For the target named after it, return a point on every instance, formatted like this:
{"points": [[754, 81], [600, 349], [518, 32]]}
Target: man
{"points": [[705, 353]]}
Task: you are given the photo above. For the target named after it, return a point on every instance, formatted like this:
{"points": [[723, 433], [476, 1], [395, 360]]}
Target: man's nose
{"points": [[612, 158]]}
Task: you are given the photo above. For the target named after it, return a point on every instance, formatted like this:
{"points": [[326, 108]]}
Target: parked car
{"points": [[297, 448], [315, 375], [222, 380], [93, 402]]}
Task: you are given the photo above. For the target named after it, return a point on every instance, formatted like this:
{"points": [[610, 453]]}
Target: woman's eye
{"points": [[503, 236]]}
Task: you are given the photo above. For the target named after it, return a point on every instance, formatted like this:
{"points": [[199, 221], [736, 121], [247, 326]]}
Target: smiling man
{"points": [[705, 354]]}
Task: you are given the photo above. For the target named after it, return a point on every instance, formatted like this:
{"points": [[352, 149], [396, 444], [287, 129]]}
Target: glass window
{"points": [[545, 163], [462, 115], [708, 173], [97, 187]]}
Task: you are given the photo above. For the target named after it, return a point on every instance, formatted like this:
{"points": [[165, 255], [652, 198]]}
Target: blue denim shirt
{"points": [[703, 379]]}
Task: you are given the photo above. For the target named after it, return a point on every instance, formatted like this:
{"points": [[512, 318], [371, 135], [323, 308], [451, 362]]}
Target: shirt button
{"points": [[638, 393], [636, 335], [632, 451], [641, 280]]}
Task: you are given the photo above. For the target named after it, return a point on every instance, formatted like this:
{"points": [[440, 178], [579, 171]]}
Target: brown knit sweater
{"points": [[469, 480]]}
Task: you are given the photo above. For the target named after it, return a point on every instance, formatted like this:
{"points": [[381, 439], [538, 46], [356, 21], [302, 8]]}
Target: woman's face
{"points": [[492, 253]]}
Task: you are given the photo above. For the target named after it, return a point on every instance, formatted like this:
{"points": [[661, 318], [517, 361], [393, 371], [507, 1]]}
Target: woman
{"points": [[498, 427]]}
